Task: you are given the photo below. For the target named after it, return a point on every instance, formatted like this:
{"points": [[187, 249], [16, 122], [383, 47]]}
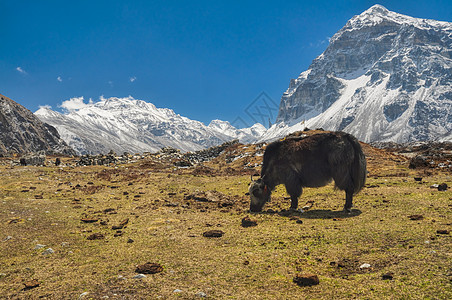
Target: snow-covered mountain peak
{"points": [[383, 77], [132, 125], [379, 15]]}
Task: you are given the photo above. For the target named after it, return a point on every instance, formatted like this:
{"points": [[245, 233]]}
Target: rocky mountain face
{"points": [[383, 77], [22, 132], [136, 126]]}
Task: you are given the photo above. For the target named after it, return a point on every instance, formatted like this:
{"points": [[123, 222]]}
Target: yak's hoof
{"points": [[347, 210], [298, 210]]}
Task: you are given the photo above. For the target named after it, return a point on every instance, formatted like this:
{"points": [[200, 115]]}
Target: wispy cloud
{"points": [[20, 70], [110, 83], [132, 79], [59, 79]]}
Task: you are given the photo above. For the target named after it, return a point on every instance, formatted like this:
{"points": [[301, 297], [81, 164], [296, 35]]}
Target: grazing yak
{"points": [[311, 161]]}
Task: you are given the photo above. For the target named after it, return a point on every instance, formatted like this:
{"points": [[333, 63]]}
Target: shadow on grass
{"points": [[316, 214]]}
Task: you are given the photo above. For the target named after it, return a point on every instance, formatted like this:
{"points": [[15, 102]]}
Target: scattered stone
{"points": [[39, 197], [83, 295], [416, 217], [31, 284], [2, 275], [213, 233], [417, 178], [139, 276], [130, 241], [177, 291], [39, 246], [387, 276], [364, 266], [96, 236], [16, 220], [442, 231], [306, 279], [7, 238], [89, 220], [201, 295], [442, 187], [149, 268], [248, 222], [48, 251], [299, 221]]}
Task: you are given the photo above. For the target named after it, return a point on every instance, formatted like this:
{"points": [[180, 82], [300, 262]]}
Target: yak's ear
{"points": [[265, 189]]}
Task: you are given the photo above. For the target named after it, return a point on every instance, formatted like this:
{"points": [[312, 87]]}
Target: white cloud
{"points": [[110, 83], [75, 103], [20, 70], [132, 79], [45, 106], [59, 79]]}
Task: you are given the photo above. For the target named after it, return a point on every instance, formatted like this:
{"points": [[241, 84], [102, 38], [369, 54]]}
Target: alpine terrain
{"points": [[136, 126], [383, 77], [22, 132]]}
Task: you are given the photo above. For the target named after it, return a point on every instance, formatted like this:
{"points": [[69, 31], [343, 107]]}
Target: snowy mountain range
{"points": [[136, 126], [383, 77]]}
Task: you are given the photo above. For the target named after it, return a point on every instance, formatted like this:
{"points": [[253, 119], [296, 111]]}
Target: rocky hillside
{"points": [[22, 132], [384, 77]]}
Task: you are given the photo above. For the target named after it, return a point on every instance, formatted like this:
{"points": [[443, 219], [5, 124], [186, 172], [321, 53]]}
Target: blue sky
{"points": [[204, 59]]}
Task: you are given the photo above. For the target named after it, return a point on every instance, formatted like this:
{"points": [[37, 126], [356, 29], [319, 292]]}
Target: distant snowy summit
{"points": [[136, 126], [383, 77]]}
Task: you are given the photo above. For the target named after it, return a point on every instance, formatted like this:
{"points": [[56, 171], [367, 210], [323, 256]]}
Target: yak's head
{"points": [[259, 194]]}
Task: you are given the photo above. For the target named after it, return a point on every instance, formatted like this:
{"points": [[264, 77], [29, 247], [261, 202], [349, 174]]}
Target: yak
{"points": [[311, 161]]}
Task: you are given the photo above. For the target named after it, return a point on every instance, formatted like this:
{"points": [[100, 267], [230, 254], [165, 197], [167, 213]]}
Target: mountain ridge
{"points": [[383, 77], [132, 125]]}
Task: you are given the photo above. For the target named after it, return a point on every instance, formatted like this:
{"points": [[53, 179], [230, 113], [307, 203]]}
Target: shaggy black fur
{"points": [[311, 162]]}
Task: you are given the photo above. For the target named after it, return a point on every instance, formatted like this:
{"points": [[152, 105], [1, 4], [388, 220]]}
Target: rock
{"points": [[130, 241], [48, 251], [387, 276], [213, 233], [417, 178], [31, 284], [96, 236], [149, 268], [7, 238], [177, 291], [248, 222], [418, 161], [89, 220], [201, 295], [442, 231], [442, 187], [83, 295], [364, 266], [416, 217], [306, 279], [39, 246], [139, 276]]}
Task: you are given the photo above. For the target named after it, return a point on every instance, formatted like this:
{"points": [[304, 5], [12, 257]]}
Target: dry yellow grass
{"points": [[45, 205]]}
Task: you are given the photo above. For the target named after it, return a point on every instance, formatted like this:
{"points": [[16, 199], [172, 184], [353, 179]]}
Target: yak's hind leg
{"points": [[344, 181], [294, 189]]}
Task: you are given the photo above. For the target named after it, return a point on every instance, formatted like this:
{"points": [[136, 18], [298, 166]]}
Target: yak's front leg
{"points": [[348, 201], [294, 190]]}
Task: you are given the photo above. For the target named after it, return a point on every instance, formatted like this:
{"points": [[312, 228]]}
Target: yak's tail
{"points": [[359, 166]]}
